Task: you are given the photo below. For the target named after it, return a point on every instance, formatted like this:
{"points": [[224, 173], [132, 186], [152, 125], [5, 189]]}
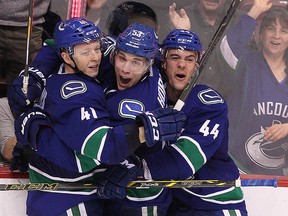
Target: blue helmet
{"points": [[75, 31], [182, 39], [140, 40]]}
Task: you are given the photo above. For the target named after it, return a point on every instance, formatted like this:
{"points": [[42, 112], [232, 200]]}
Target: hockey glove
{"points": [[163, 124], [21, 158], [18, 101], [112, 185], [27, 126]]}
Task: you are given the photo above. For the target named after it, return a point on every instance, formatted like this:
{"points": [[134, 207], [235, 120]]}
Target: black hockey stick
{"points": [[148, 184], [217, 36], [29, 32]]}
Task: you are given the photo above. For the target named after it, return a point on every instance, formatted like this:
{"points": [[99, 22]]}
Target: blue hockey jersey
{"points": [[79, 140], [200, 153]]}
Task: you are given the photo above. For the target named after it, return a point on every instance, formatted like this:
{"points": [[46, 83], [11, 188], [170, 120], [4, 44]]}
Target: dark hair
{"points": [[275, 13], [118, 19]]}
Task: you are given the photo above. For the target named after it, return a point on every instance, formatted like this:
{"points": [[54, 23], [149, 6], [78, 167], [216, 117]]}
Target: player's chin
{"points": [[180, 86], [92, 73]]}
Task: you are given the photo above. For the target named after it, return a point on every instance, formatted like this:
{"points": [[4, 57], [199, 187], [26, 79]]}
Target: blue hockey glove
{"points": [[21, 158], [112, 185], [27, 126], [163, 124], [18, 101]]}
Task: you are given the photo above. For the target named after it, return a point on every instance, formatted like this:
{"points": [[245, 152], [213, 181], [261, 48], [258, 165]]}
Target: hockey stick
{"points": [[217, 36], [29, 32], [275, 182]]}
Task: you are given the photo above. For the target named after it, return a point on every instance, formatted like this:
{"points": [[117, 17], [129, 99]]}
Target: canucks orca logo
{"points": [[209, 96], [266, 154], [130, 108], [73, 87]]}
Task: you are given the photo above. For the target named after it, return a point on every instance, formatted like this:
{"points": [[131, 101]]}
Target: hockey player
{"points": [[79, 136], [201, 151], [137, 87]]}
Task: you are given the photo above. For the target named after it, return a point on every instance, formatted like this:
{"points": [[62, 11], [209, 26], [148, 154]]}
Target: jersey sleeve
{"points": [[204, 134], [235, 44], [47, 61]]}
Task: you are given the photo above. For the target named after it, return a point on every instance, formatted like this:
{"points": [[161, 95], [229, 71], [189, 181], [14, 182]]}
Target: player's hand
{"points": [[163, 124], [116, 177], [179, 20], [27, 126], [18, 101]]}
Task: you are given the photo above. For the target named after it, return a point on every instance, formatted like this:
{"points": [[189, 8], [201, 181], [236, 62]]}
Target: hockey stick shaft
{"points": [[217, 36], [148, 184], [29, 32]]}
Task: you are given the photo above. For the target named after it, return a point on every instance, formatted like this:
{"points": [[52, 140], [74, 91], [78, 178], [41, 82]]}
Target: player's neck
{"points": [[68, 69], [173, 95]]}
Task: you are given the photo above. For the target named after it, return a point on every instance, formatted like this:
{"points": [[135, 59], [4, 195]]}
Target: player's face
{"points": [[211, 5], [179, 68], [129, 69], [88, 57], [275, 39]]}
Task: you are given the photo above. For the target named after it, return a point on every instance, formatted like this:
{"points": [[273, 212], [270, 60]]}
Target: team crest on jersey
{"points": [[266, 154], [130, 108], [209, 96], [73, 87]]}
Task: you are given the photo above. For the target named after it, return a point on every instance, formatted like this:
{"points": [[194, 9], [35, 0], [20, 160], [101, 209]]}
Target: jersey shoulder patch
{"points": [[209, 96], [130, 108]]}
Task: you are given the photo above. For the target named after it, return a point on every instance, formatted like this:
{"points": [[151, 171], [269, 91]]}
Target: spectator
{"points": [[7, 134], [94, 9], [13, 34], [129, 12], [258, 101]]}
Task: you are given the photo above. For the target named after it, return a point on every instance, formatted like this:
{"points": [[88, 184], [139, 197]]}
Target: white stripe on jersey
{"points": [[144, 211], [226, 212], [82, 209], [227, 53]]}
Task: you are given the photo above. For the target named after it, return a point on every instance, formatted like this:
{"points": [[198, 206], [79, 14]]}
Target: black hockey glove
{"points": [[21, 158], [112, 185], [163, 124], [18, 101]]}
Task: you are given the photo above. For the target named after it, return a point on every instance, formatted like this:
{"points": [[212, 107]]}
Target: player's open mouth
{"points": [[124, 80], [180, 76], [94, 67]]}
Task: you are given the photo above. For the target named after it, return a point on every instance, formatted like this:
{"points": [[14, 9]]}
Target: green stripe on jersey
{"points": [[193, 153], [224, 196], [76, 211], [86, 163], [95, 142]]}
